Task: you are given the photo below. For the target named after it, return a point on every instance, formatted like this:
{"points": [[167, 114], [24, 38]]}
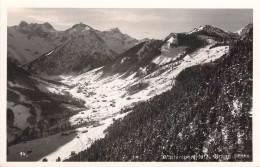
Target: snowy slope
{"points": [[169, 53], [57, 145]]}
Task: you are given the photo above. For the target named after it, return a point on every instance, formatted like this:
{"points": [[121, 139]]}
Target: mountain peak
{"points": [[200, 28], [115, 29], [23, 23], [48, 25], [207, 25], [80, 25], [30, 26], [172, 34]]}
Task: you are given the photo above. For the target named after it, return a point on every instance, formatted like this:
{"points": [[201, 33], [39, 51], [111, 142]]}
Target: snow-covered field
{"points": [[59, 145], [105, 97]]}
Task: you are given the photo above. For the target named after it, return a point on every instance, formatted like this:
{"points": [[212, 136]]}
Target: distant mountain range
{"points": [[44, 50], [60, 50]]}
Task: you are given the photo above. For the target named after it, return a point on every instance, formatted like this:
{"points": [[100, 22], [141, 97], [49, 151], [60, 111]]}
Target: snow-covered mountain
{"points": [[27, 42], [82, 50]]}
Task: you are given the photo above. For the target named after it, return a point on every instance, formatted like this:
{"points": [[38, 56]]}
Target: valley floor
{"points": [[106, 98]]}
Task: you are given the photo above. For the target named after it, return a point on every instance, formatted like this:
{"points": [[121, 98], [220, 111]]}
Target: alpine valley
{"points": [[89, 95]]}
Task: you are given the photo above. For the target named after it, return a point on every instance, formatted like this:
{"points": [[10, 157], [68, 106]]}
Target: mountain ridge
{"points": [[115, 35]]}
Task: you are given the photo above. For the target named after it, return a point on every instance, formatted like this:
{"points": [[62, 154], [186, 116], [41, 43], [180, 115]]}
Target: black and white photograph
{"points": [[129, 84]]}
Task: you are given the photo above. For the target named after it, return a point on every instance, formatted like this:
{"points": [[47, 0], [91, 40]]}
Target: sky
{"points": [[138, 23]]}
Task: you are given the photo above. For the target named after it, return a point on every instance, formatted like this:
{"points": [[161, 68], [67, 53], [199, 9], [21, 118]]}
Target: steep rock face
{"points": [[246, 32]]}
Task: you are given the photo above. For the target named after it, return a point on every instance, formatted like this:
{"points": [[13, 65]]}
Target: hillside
{"points": [[206, 113], [32, 107], [151, 55]]}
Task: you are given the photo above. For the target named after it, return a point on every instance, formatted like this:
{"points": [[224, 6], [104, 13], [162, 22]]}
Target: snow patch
{"points": [[171, 41], [237, 105], [239, 31], [196, 30], [123, 60], [50, 52], [21, 113], [17, 85]]}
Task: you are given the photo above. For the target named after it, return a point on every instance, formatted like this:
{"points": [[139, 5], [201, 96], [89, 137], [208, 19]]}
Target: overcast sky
{"points": [[138, 23]]}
